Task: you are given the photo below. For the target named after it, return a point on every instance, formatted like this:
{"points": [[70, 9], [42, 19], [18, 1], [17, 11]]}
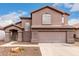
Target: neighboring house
{"points": [[76, 31], [2, 34], [48, 25]]}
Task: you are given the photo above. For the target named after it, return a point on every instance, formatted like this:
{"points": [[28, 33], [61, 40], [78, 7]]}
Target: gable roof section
{"points": [[13, 25], [24, 17], [52, 8]]}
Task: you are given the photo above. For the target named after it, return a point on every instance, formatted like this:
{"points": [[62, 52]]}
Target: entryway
{"points": [[14, 35]]}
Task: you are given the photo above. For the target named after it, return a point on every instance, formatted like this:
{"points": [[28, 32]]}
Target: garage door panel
{"points": [[52, 37]]}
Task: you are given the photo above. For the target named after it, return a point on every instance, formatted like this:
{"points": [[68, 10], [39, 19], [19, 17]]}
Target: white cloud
{"points": [[21, 13], [5, 23], [73, 6], [10, 18], [56, 4], [73, 21], [7, 19], [67, 5]]}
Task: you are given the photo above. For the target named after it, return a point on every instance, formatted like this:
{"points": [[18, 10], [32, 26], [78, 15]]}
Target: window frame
{"points": [[63, 19], [50, 19], [27, 28]]}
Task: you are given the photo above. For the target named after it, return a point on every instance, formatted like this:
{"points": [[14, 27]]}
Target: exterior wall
{"points": [[56, 17], [76, 35], [12, 27], [20, 38], [7, 37], [65, 19], [52, 37], [56, 20], [67, 34], [2, 35], [19, 25], [70, 38], [26, 36], [35, 37], [7, 33], [25, 21], [22, 34]]}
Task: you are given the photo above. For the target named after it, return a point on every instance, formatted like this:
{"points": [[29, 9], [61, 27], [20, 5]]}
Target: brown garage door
{"points": [[52, 37]]}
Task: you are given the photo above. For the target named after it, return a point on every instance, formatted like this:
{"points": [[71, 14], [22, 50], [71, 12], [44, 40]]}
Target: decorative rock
{"points": [[16, 50]]}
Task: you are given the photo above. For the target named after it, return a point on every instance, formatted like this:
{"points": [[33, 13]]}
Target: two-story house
{"points": [[47, 24]]}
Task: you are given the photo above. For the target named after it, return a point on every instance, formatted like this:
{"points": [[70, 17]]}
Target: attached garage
{"points": [[55, 37]]}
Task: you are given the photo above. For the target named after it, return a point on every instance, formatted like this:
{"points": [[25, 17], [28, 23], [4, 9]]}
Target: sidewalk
{"points": [[11, 44]]}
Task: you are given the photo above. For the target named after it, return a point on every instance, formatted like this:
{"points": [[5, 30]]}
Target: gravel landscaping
{"points": [[28, 51]]}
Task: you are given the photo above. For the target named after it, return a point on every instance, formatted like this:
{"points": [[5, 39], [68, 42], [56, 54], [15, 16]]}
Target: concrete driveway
{"points": [[59, 49]]}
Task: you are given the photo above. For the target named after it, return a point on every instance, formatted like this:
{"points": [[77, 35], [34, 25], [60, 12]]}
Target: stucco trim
{"points": [[25, 17], [13, 25], [51, 27]]}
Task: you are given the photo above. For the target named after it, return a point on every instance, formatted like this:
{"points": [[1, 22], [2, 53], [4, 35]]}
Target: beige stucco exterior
{"points": [[8, 32], [54, 32], [51, 37], [56, 18], [49, 33], [76, 32], [25, 20]]}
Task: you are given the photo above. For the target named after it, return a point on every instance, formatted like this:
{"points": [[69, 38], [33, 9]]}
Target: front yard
{"points": [[28, 51], [40, 49]]}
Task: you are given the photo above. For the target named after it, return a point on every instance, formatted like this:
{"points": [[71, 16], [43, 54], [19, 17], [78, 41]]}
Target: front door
{"points": [[14, 35]]}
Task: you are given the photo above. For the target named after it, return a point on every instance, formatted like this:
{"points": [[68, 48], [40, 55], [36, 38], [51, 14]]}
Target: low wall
{"points": [[2, 35], [26, 36]]}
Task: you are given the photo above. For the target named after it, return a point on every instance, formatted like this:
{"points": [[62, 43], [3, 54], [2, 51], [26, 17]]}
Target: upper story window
{"points": [[46, 18], [62, 18], [27, 26]]}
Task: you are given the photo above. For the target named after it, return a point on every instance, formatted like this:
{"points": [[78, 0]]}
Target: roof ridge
{"points": [[12, 24], [52, 7]]}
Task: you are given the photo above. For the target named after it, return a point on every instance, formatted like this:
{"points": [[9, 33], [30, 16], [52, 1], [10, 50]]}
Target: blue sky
{"points": [[15, 7], [10, 12]]}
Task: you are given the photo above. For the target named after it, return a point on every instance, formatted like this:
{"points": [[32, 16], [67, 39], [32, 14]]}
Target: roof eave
{"points": [[51, 8], [25, 17]]}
